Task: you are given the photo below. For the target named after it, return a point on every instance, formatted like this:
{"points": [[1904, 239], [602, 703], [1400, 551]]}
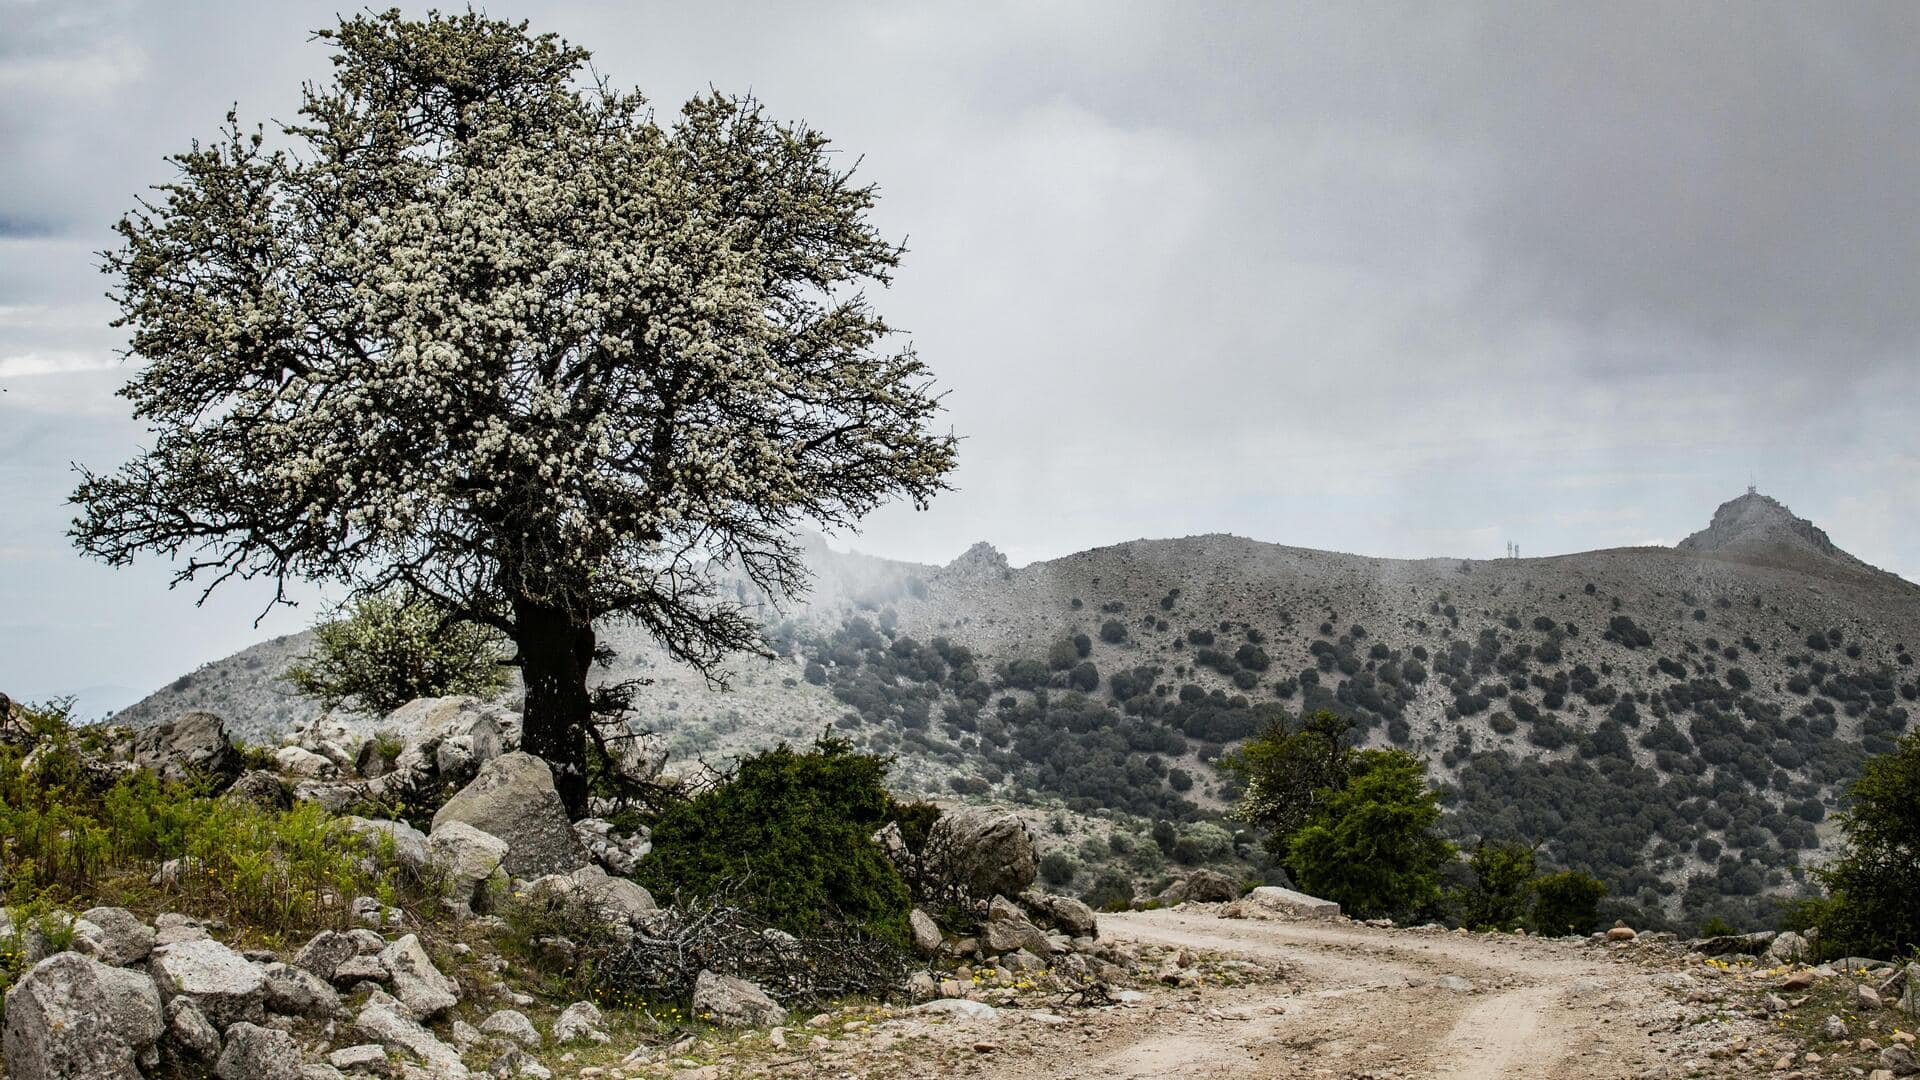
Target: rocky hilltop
{"points": [[1762, 529]]}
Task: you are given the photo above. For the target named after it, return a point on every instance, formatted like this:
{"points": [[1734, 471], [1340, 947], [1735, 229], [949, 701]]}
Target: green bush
{"points": [[1112, 891], [388, 649], [789, 838], [1369, 845], [1057, 868], [1873, 906], [1567, 903], [1502, 888]]}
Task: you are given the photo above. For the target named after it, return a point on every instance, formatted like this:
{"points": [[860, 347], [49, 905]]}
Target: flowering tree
{"points": [[499, 338]]}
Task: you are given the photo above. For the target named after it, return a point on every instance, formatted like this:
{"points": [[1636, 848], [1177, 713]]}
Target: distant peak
{"points": [[1756, 522], [981, 558]]}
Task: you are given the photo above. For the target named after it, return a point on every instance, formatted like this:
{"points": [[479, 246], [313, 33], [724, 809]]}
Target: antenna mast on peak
{"points": [[1752, 488]]}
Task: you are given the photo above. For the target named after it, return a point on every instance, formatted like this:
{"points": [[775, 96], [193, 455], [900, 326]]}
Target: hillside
{"points": [[1677, 720]]}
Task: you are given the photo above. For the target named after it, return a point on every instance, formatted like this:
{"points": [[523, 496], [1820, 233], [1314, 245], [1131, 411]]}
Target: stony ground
{"points": [[1344, 1000]]}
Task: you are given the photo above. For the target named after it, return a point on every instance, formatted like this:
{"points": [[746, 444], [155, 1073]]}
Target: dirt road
{"points": [[1355, 1003], [1363, 1002]]}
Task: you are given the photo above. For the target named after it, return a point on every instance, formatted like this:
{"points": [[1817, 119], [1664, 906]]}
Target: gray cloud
{"points": [[1392, 278]]}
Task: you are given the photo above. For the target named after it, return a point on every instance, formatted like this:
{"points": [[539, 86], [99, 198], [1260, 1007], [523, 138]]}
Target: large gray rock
{"points": [[112, 935], [512, 1024], [420, 986], [582, 1020], [257, 1053], [1211, 886], [189, 1032], [514, 799], [731, 1002], [194, 744], [325, 952], [386, 1023], [450, 737], [1275, 898], [226, 986], [469, 858], [408, 844], [1007, 929], [295, 991], [73, 1018], [623, 902], [983, 851], [1788, 947], [926, 933], [1070, 916]]}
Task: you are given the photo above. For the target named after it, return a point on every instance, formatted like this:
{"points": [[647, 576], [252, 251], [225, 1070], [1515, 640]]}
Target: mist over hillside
{"points": [[1679, 721]]}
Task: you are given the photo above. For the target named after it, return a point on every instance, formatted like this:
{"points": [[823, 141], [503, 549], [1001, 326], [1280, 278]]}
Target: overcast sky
{"points": [[1397, 280]]}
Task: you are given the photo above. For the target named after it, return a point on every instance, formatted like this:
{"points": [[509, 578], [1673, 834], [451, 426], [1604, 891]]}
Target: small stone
{"points": [[512, 1024], [256, 1053], [580, 1020], [365, 1058]]}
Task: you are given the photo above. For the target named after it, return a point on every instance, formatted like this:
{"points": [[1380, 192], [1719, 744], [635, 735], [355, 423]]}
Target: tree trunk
{"points": [[556, 652]]}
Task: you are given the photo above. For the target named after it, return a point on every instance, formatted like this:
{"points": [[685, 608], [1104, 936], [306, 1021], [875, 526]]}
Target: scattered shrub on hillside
{"points": [[1113, 631], [1058, 869], [387, 649]]}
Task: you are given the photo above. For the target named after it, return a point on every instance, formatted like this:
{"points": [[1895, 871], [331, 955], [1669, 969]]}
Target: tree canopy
{"points": [[494, 333]]}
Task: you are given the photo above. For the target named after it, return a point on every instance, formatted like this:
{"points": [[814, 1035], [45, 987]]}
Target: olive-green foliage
{"points": [[1567, 902], [1370, 845], [70, 832], [1873, 907], [1112, 891], [790, 837], [387, 649], [1288, 770], [1502, 887]]}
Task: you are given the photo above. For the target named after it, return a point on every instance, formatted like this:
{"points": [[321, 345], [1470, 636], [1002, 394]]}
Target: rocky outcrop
{"points": [[513, 798], [581, 1021], [193, 745], [75, 1018], [731, 1002]]}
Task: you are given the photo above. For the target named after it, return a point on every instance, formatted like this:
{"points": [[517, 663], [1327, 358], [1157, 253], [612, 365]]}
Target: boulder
{"points": [[982, 851], [260, 787], [1899, 1061], [1788, 947], [189, 1031], [512, 1024], [1210, 887], [385, 1022], [731, 1002], [303, 763], [1621, 933], [582, 1020], [225, 985], [926, 932], [325, 952], [71, 1017], [112, 935], [1070, 916], [257, 1053], [366, 1057], [514, 799], [469, 857], [409, 845], [420, 986], [463, 733], [1275, 898], [194, 744], [295, 991], [1910, 995], [623, 901], [1007, 929], [171, 928]]}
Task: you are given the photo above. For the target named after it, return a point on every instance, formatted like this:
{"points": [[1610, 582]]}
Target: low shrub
{"points": [[789, 838]]}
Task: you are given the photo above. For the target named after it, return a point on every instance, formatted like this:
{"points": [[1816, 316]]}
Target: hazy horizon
{"points": [[1380, 279]]}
